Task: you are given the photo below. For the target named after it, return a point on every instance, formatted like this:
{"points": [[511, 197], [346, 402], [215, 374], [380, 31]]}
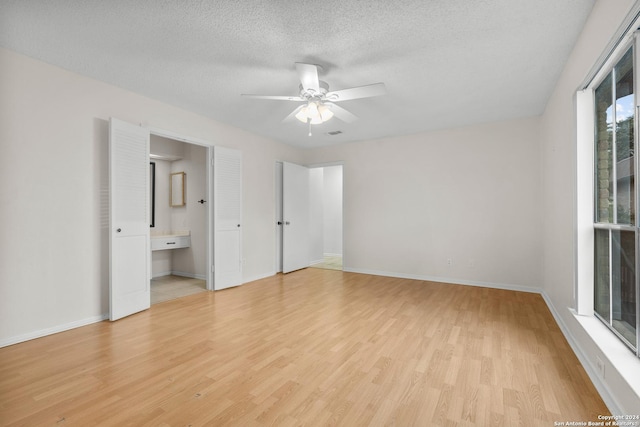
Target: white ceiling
{"points": [[446, 63]]}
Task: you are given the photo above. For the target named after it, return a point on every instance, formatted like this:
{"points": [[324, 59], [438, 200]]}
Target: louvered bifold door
{"points": [[227, 207], [129, 252]]}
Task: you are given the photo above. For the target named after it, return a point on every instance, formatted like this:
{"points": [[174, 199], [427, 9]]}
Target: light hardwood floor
{"points": [[313, 347]]}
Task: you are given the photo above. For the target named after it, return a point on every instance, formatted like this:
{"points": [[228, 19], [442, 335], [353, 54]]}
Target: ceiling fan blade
{"points": [[292, 116], [308, 74], [367, 91], [276, 97], [341, 113]]}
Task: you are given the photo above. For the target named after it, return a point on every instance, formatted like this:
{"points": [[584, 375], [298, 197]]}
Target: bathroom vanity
{"points": [[172, 240]]}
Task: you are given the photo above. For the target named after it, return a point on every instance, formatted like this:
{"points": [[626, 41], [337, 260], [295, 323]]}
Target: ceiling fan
{"points": [[319, 103]]}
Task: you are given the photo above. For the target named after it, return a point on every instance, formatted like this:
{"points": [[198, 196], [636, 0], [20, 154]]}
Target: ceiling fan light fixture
{"points": [[302, 114], [312, 109], [315, 112], [325, 112], [319, 105]]}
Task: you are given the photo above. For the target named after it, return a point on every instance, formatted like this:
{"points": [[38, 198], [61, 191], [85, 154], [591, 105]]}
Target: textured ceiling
{"points": [[445, 63]]}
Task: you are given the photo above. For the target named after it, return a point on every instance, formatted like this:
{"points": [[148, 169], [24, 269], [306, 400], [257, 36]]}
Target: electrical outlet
{"points": [[449, 262], [600, 367]]}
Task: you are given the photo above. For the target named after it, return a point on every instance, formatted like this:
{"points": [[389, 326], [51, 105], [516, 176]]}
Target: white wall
{"points": [[161, 261], [162, 217], [54, 191], [332, 210], [325, 222], [471, 195], [621, 385], [170, 149], [192, 261], [316, 215]]}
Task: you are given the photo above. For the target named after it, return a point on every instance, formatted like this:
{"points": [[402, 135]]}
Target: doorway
{"points": [[179, 212], [130, 245], [325, 216]]}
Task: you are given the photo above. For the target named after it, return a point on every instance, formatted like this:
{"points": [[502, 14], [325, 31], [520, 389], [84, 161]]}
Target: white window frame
{"points": [[585, 167]]}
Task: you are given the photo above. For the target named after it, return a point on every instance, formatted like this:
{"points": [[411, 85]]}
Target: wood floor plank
{"points": [[313, 347]]}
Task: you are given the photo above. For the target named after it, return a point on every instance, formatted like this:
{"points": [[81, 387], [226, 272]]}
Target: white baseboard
{"points": [[78, 323], [508, 287], [330, 254], [190, 275], [53, 330], [607, 396], [179, 273], [161, 274], [316, 262]]}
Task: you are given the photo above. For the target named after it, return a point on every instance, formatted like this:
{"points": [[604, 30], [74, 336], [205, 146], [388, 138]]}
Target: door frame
{"points": [[279, 223], [328, 164], [278, 178], [209, 191]]}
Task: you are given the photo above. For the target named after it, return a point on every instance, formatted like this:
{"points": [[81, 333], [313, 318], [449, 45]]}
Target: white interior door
{"points": [[129, 250], [295, 207], [279, 218], [227, 207]]}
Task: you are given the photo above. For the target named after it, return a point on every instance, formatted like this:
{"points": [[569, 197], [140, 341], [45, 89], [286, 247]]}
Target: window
{"points": [[615, 199]]}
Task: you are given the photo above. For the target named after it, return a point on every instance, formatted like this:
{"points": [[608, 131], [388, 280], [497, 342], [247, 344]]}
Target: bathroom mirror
{"points": [[176, 189]]}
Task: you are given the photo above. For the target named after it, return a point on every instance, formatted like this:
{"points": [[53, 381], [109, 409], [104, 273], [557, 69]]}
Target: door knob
{"points": [[279, 222], [119, 230], [287, 223]]}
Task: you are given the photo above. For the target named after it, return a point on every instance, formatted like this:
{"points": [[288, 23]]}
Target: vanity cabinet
{"points": [[159, 243]]}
